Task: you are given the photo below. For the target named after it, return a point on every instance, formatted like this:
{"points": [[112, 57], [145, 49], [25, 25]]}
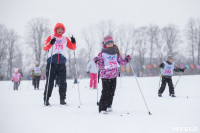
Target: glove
{"points": [[128, 58], [96, 59], [53, 40], [182, 70], [162, 65], [12, 80], [88, 72], [73, 40]]}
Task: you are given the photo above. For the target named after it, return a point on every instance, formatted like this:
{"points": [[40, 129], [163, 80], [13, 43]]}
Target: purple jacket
{"points": [[109, 73]]}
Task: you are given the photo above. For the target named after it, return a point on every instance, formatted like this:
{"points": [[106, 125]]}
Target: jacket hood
{"points": [[59, 25]]}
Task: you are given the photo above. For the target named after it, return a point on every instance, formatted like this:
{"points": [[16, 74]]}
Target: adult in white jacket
{"points": [[92, 70]]}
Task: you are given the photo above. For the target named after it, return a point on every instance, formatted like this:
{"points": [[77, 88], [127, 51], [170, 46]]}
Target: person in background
{"points": [[16, 79], [92, 70], [36, 72], [167, 72]]}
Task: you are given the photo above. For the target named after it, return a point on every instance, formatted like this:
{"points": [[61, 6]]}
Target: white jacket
{"points": [[92, 67]]}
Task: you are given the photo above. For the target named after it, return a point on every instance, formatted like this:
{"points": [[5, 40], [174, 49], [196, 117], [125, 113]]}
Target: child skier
{"points": [[56, 46], [16, 78], [92, 70], [109, 60], [36, 75], [167, 72]]}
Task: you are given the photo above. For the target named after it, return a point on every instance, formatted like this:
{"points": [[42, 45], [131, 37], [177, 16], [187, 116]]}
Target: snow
{"points": [[23, 111]]}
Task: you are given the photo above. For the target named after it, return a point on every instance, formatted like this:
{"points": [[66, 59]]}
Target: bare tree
{"points": [[190, 34], [12, 51], [153, 33], [89, 38], [170, 35], [141, 43], [197, 34], [37, 33], [3, 47], [125, 38]]}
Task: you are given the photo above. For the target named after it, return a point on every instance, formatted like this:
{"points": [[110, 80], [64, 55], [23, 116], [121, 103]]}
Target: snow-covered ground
{"points": [[23, 111]]}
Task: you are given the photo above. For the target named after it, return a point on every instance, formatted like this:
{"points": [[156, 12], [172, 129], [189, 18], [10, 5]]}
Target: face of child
{"points": [[59, 31], [170, 60], [109, 45]]}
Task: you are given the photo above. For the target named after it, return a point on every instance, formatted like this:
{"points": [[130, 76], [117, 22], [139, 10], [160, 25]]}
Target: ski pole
{"points": [[98, 73], [76, 76], [140, 89], [47, 89], [160, 78], [178, 80], [120, 77]]}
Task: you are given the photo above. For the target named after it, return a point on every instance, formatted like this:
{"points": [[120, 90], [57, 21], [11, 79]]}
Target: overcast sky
{"points": [[77, 14]]}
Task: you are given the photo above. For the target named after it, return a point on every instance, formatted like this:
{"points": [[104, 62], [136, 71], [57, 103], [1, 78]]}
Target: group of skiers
{"points": [[107, 63]]}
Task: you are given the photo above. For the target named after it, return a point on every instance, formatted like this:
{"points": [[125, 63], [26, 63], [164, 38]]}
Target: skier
{"points": [[36, 75], [56, 46], [167, 72], [16, 79], [20, 71], [92, 70], [109, 60]]}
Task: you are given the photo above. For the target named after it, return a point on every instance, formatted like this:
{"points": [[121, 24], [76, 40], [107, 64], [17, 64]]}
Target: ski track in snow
{"points": [[23, 111]]}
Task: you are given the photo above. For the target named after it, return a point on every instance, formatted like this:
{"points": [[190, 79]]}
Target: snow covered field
{"points": [[23, 111]]}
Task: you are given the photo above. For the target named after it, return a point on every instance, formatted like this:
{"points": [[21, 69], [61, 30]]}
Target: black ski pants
{"points": [[108, 91], [166, 80], [56, 69], [36, 82]]}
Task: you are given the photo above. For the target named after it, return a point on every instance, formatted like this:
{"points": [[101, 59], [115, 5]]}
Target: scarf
{"points": [[111, 50]]}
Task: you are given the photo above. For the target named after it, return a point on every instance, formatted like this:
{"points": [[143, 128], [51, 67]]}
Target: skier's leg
{"points": [[163, 85], [103, 103], [171, 86], [95, 80], [63, 83], [34, 82], [112, 91], [91, 80]]}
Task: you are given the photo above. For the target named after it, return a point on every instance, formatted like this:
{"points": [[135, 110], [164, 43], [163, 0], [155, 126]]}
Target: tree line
{"points": [[146, 45]]}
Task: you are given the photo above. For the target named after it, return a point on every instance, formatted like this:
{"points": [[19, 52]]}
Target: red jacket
{"points": [[47, 46], [58, 58]]}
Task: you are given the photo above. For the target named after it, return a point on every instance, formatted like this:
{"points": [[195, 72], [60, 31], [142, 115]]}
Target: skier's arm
{"points": [[121, 61], [162, 65], [47, 44], [100, 61], [70, 45], [177, 69]]}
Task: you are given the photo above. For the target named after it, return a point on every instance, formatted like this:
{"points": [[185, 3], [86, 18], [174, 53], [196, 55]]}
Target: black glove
{"points": [[162, 65], [73, 40], [53, 40], [182, 70], [88, 72]]}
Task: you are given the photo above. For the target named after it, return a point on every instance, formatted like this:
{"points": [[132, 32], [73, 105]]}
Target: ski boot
{"points": [[160, 95], [172, 95], [103, 112], [46, 102], [62, 102], [109, 109]]}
